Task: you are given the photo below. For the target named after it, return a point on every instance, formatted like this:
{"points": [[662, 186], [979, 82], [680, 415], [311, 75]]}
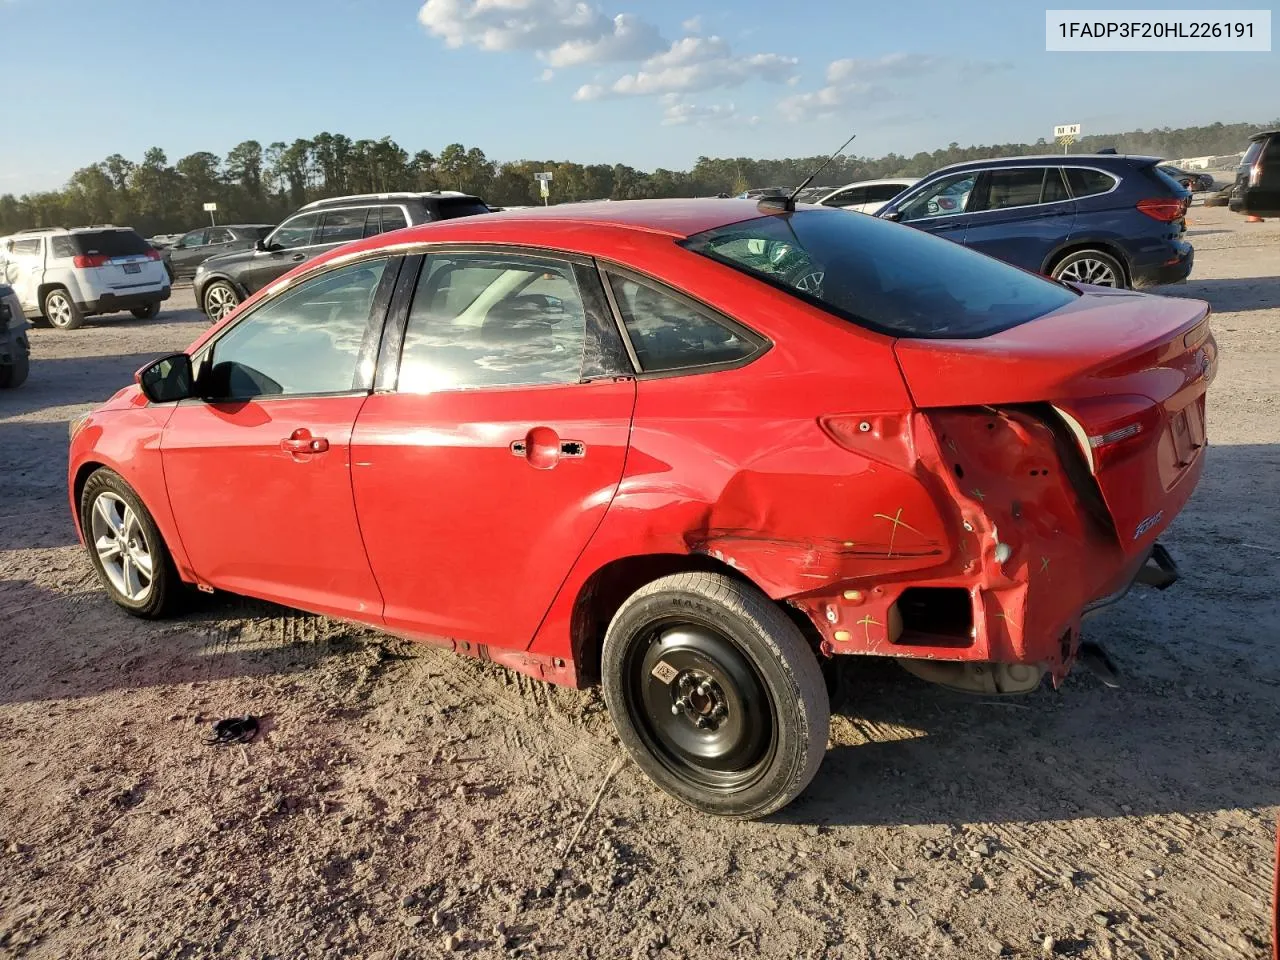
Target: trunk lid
{"points": [[1127, 375]]}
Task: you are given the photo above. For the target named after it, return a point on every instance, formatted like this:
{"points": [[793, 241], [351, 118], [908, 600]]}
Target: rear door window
{"points": [[1012, 187], [342, 226], [942, 198], [393, 219], [884, 192], [451, 207], [493, 320], [847, 198]]}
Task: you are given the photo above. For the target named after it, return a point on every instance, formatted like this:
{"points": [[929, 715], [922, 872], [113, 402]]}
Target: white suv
{"points": [[67, 275]]}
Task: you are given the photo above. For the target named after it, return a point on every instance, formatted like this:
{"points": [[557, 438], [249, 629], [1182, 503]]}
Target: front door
{"points": [[189, 252], [288, 245], [480, 477], [258, 472], [1020, 215], [938, 207]]}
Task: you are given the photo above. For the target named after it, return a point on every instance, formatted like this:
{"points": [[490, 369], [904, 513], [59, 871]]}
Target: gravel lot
{"points": [[404, 803]]}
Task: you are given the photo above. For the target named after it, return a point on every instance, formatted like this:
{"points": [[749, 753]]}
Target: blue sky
{"points": [[644, 82]]}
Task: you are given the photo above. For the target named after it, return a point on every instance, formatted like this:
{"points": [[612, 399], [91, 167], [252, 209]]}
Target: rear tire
{"points": [[716, 694], [150, 311], [120, 533], [15, 374], [61, 311], [1090, 266]]}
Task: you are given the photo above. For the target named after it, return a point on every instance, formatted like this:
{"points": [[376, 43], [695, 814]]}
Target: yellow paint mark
{"points": [[981, 497], [867, 623], [897, 522], [1008, 619], [1044, 564]]}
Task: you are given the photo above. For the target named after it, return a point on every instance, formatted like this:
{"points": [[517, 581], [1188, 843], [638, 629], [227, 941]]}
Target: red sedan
{"points": [[688, 449]]}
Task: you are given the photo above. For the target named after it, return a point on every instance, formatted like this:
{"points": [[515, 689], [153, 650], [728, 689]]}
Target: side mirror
{"points": [[167, 379], [260, 245], [890, 215]]}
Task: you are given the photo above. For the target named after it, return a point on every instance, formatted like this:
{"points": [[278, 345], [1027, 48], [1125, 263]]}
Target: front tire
{"points": [[125, 546], [149, 312], [715, 694], [220, 298], [61, 311], [1090, 266]]}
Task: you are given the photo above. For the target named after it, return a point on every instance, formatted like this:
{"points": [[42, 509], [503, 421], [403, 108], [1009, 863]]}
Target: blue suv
{"points": [[1104, 219]]}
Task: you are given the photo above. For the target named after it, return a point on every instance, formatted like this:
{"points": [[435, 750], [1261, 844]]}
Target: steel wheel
{"points": [[700, 705], [1092, 270], [122, 547], [220, 300], [58, 309]]}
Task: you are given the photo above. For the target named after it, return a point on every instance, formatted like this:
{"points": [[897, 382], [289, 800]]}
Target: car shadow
{"points": [[1230, 296]]}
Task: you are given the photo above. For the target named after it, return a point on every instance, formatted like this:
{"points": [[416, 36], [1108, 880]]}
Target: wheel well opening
{"points": [[77, 488], [1100, 245], [44, 289], [607, 589]]}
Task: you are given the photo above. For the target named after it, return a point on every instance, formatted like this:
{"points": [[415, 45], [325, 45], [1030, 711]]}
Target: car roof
{"points": [[679, 218], [1054, 159], [1265, 134], [883, 181], [372, 197]]}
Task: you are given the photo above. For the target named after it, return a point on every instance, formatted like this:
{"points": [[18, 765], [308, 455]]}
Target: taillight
{"points": [[1113, 427], [1255, 173], [1164, 209], [154, 255], [85, 261]]}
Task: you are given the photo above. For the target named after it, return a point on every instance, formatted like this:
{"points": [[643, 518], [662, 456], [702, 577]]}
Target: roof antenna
{"points": [[788, 204]]}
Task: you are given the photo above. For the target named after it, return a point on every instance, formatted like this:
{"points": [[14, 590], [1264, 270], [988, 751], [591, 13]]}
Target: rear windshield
{"points": [[449, 208], [110, 243], [891, 278]]}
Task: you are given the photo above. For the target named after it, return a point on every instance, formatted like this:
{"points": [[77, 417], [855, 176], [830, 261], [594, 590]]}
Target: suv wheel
{"points": [[146, 313], [220, 298], [716, 694], [61, 311], [1090, 266]]}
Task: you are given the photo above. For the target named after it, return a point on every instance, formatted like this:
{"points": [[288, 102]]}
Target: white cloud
{"points": [[546, 75], [692, 65], [564, 32], [692, 25], [857, 82], [631, 39], [679, 113]]}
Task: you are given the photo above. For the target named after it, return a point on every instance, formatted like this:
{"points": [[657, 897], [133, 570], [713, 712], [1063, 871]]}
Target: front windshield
{"points": [[891, 278]]}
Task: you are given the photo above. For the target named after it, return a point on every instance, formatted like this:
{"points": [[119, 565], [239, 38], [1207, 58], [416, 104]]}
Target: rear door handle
{"points": [[301, 441], [298, 257]]}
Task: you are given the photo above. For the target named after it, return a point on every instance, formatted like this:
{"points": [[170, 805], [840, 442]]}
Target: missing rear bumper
{"points": [[1158, 570]]}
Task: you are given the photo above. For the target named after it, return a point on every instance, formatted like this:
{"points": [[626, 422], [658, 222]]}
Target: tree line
{"points": [[257, 184]]}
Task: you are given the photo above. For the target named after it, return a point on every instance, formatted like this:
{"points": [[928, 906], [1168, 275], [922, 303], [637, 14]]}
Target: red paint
{"points": [[835, 471]]}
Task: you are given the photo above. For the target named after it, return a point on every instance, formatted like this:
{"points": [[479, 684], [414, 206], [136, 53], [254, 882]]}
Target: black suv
{"points": [[1257, 190], [221, 283], [183, 257]]}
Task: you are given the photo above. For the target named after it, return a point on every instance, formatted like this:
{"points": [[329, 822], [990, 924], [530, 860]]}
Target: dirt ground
{"points": [[404, 803]]}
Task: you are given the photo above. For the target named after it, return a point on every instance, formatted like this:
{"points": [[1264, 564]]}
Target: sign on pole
{"points": [[209, 208], [1066, 134], [544, 185]]}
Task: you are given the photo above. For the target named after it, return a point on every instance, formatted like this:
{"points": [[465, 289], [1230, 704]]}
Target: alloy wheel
{"points": [[220, 301], [1088, 270], [121, 547], [58, 309]]}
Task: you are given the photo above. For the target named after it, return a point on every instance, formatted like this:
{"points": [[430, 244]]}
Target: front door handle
{"points": [[298, 257], [301, 441]]}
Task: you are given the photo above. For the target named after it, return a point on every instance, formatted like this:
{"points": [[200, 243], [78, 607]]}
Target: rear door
{"points": [[189, 252], [1020, 215], [493, 444]]}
